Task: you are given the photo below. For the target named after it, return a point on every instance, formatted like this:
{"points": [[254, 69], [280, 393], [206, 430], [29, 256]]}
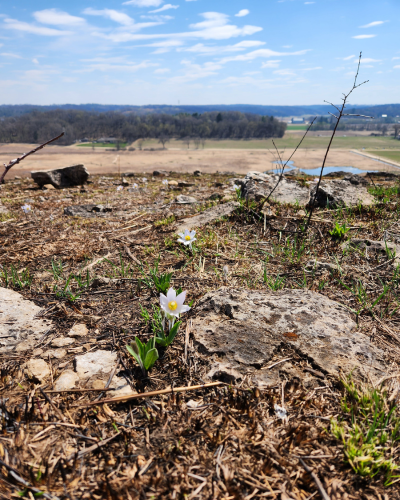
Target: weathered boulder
{"points": [[160, 173], [62, 342], [37, 369], [374, 249], [207, 216], [20, 329], [257, 185], [356, 179], [66, 380], [76, 175], [185, 200], [338, 193], [242, 332], [86, 210], [316, 266]]}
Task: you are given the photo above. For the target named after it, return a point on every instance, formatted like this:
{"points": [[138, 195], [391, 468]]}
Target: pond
{"points": [[316, 171]]}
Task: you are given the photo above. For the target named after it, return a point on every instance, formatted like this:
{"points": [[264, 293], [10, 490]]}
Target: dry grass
{"points": [[231, 445]]}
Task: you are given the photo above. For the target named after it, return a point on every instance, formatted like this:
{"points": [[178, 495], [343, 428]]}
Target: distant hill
{"points": [[392, 110]]}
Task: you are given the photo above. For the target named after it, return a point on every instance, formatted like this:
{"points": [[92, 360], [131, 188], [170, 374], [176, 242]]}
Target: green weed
{"points": [[339, 231]]}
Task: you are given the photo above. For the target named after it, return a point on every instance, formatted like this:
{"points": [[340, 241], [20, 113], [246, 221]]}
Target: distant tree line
{"points": [[328, 123], [36, 126]]}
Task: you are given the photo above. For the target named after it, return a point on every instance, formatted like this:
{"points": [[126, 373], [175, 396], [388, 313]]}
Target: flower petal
{"points": [[182, 235], [193, 234], [184, 309], [171, 295], [180, 299]]}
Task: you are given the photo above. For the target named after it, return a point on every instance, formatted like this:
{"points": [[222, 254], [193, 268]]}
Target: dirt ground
{"points": [[232, 445], [99, 161]]}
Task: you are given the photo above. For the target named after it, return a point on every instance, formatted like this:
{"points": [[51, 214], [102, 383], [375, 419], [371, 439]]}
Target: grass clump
{"points": [[369, 431], [339, 231]]}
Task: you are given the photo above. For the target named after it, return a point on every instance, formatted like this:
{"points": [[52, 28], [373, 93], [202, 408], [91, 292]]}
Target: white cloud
{"points": [[395, 58], [35, 61], [348, 58], [161, 71], [285, 72], [114, 15], [360, 37], [195, 71], [214, 27], [265, 53], [57, 17], [367, 60], [13, 24], [396, 67], [144, 3], [308, 3], [242, 13], [271, 64], [375, 23], [167, 6], [287, 46], [200, 48], [160, 18], [311, 69], [10, 54]]}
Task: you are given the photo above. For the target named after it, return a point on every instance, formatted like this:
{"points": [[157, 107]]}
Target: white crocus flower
{"points": [[135, 186], [26, 208], [172, 306], [120, 188], [187, 237], [144, 179], [234, 187], [165, 182]]}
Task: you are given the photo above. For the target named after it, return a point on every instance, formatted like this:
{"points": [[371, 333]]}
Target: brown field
{"points": [[99, 161]]}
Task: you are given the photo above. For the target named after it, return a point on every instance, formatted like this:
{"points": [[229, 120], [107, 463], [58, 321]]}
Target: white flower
{"points": [[165, 182], [135, 186], [172, 304], [280, 412], [120, 188], [234, 187], [187, 237], [144, 179], [26, 208]]}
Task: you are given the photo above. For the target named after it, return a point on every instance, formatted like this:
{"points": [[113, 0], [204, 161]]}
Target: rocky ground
{"points": [[251, 398]]}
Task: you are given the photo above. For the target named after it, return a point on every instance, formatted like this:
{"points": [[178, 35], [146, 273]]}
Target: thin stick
{"points": [[153, 393], [318, 483], [18, 160], [287, 161], [277, 363], [338, 118]]}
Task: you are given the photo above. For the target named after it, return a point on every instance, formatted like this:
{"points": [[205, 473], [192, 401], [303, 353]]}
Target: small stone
{"points": [[183, 184], [185, 200], [78, 330], [41, 198], [37, 369], [62, 342], [98, 384], [215, 196], [46, 187], [66, 380], [17, 177], [93, 363], [54, 353], [197, 173], [160, 173], [128, 174], [173, 183], [37, 352]]}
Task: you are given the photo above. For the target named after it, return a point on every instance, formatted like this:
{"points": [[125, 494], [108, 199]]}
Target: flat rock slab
{"points": [[374, 248], [240, 332], [207, 216], [20, 330], [257, 185], [340, 193], [75, 175], [185, 200], [86, 210]]}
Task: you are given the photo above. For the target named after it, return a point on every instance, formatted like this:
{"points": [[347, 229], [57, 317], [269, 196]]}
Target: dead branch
{"points": [[18, 160]]}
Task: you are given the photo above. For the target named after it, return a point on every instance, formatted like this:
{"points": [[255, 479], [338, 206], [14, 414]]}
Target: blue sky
{"points": [[197, 51]]}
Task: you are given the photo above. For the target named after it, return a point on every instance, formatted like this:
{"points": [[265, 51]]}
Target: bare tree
{"points": [[187, 141], [396, 127], [197, 142], [163, 139]]}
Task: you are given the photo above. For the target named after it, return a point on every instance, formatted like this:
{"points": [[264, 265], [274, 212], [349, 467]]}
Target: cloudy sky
{"points": [[197, 51]]}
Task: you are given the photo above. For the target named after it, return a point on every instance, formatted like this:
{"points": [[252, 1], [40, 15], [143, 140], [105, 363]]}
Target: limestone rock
{"points": [[86, 210], [184, 184], [257, 185], [66, 380], [183, 199], [240, 332], [62, 342], [207, 216], [94, 363], [356, 179], [173, 183], [20, 329], [54, 353], [338, 193], [160, 173], [37, 369], [374, 248], [76, 175], [78, 330], [47, 187], [316, 266]]}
